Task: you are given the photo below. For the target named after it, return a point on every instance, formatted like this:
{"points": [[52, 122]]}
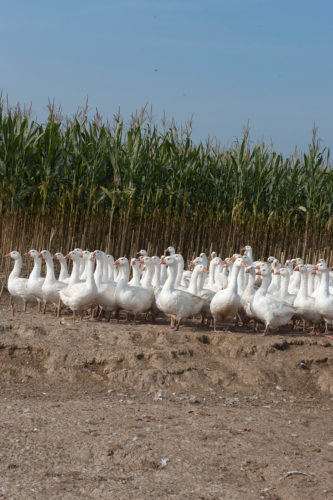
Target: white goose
{"points": [[304, 303], [213, 266], [284, 286], [35, 280], [18, 287], [51, 287], [205, 293], [106, 290], [226, 303], [63, 275], [133, 299], [324, 300], [136, 278], [110, 260], [269, 309], [250, 290], [275, 285], [75, 275], [177, 303], [80, 296]]}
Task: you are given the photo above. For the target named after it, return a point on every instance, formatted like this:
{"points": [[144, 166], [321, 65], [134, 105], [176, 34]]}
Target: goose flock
{"points": [[261, 292]]}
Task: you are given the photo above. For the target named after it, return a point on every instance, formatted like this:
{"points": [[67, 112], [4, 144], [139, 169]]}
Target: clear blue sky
{"points": [[225, 62]]}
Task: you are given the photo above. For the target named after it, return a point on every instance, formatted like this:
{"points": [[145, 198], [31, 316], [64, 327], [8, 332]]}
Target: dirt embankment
{"points": [[111, 410]]}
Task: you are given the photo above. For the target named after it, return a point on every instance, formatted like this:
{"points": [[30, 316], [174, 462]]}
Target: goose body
{"points": [[323, 299], [226, 303], [106, 290], [249, 292], [177, 303], [81, 295], [35, 280], [272, 311], [51, 286], [304, 303], [133, 299], [18, 287]]}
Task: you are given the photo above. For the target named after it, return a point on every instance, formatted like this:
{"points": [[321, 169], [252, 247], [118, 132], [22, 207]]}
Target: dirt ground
{"points": [[118, 411]]}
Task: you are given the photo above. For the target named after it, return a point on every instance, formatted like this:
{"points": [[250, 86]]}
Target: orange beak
{"points": [[8, 255], [68, 256], [40, 255], [258, 272], [205, 270], [257, 266], [163, 261], [296, 268], [243, 264], [233, 258], [277, 272], [141, 260], [81, 255], [26, 254], [314, 271], [315, 268], [116, 263], [144, 268], [293, 261]]}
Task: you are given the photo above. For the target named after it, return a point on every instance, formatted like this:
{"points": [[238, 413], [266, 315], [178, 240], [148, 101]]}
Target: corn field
{"points": [[80, 182]]}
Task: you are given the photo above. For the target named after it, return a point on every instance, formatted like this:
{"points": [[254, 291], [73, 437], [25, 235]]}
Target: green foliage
{"points": [[81, 166]]}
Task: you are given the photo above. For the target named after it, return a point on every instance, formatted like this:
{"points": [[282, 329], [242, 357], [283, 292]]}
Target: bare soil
{"points": [[98, 410]]}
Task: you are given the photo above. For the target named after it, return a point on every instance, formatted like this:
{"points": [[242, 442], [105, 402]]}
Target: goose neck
{"points": [[169, 285], [324, 283], [232, 283], [17, 268], [50, 277]]}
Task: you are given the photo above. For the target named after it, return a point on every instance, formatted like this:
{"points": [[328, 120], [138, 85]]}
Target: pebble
{"points": [[164, 462]]}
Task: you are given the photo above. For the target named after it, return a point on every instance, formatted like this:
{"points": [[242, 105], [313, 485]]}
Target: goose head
{"points": [[195, 262], [86, 254], [142, 252], [59, 256], [32, 253], [14, 254], [121, 262], [320, 268], [247, 250], [170, 261], [275, 266], [73, 255], [302, 268], [239, 262], [45, 254], [170, 251], [283, 271], [250, 270]]}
